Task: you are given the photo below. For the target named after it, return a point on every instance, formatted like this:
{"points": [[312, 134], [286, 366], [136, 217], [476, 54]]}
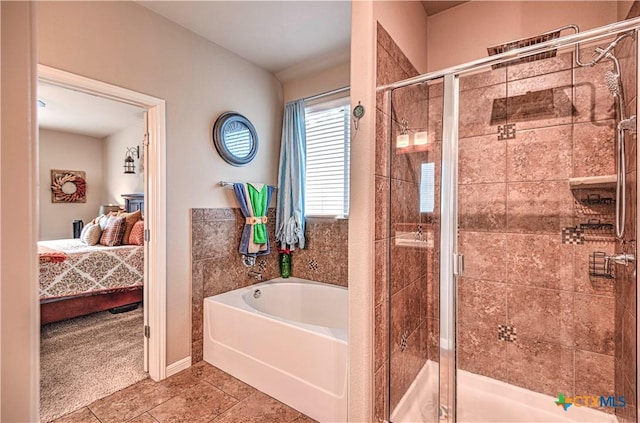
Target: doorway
{"points": [[151, 157]]}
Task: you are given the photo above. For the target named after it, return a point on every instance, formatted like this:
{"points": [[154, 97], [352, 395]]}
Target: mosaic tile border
{"points": [[573, 235], [506, 131], [507, 333]]}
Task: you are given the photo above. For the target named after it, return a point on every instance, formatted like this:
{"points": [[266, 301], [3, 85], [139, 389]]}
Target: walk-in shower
{"points": [[508, 191]]}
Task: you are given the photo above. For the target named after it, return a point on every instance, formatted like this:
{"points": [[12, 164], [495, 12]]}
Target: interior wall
{"points": [[317, 83], [66, 151], [489, 23], [19, 311], [116, 182], [361, 214], [624, 6], [407, 23], [124, 44]]}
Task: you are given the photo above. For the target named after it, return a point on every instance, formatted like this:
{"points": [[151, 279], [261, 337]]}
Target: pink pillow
{"points": [[113, 231], [136, 237]]}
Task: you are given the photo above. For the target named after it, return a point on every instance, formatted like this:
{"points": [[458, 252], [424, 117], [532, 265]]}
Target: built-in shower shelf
{"points": [[606, 181]]}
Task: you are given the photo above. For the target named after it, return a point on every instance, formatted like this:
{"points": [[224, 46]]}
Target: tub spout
{"points": [[254, 274]]}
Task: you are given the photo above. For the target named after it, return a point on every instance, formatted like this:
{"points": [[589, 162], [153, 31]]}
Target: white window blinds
{"points": [[327, 173]]}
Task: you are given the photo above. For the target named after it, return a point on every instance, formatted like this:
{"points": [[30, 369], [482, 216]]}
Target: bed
{"points": [[76, 279]]}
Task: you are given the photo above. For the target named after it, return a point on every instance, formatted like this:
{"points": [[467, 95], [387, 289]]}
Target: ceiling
{"points": [[275, 35], [72, 111], [287, 38], [433, 7]]}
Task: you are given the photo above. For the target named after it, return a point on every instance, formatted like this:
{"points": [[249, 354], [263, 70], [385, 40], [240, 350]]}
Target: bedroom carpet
{"points": [[88, 358]]}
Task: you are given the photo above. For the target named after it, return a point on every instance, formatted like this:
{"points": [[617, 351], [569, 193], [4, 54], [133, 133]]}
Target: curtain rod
{"points": [[328, 93]]}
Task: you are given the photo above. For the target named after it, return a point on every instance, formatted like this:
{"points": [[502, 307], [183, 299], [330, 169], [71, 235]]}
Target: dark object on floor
{"points": [[123, 308]]}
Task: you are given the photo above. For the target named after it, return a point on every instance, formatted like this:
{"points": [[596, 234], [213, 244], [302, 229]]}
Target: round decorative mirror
{"points": [[235, 138]]}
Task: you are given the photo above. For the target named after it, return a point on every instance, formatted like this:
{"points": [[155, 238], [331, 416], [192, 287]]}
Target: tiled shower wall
{"points": [[626, 281], [216, 265], [397, 178], [529, 313]]}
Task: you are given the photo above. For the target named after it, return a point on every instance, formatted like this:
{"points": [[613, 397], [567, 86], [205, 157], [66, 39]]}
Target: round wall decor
{"points": [[235, 138], [68, 186]]}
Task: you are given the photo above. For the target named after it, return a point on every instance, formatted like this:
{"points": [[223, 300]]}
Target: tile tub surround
{"points": [[201, 393], [216, 265]]}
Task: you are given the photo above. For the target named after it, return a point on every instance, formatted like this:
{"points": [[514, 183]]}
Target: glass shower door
{"points": [[536, 332], [413, 248]]}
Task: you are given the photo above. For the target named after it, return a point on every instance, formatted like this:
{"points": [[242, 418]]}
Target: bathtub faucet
{"points": [[254, 274]]}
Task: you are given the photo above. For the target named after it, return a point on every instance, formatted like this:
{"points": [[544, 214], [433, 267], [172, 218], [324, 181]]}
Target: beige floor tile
{"points": [[130, 402], [259, 408], [83, 415], [226, 382], [145, 418], [200, 403]]}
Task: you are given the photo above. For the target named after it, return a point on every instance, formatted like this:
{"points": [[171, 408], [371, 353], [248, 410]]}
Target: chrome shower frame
{"points": [[450, 269]]}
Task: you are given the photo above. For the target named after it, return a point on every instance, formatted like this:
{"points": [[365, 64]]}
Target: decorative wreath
{"points": [[59, 180]]}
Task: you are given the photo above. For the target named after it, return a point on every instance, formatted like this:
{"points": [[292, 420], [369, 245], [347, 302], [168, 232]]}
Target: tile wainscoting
{"points": [[216, 265]]}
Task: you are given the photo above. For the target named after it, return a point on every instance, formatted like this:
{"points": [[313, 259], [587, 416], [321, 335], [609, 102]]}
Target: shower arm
{"points": [[602, 53]]}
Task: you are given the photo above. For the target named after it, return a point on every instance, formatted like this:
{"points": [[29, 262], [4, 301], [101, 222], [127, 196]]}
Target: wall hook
{"points": [[358, 113]]}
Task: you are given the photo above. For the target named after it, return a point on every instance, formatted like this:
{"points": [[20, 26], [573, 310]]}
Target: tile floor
{"points": [[201, 393]]}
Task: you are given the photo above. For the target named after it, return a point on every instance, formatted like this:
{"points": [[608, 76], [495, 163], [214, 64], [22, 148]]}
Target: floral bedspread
{"points": [[87, 269]]}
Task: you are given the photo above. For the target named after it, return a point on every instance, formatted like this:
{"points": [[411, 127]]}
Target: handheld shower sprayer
{"points": [[614, 84]]}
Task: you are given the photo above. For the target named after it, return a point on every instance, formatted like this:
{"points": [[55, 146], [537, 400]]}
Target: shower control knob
{"points": [[621, 259]]}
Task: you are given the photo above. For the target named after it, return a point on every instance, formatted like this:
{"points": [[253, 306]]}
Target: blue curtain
{"points": [[291, 175]]}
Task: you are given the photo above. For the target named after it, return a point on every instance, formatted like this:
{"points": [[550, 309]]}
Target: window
{"points": [[427, 183], [327, 173]]}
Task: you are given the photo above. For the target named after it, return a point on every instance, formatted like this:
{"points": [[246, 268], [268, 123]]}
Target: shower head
{"points": [[613, 83], [523, 42]]}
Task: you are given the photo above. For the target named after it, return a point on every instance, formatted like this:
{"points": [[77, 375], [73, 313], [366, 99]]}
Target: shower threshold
{"points": [[485, 400]]}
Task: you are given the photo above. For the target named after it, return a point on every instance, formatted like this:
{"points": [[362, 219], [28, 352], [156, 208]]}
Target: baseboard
{"points": [[178, 366]]}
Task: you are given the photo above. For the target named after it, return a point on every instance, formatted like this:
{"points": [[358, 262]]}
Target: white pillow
{"points": [[91, 234], [102, 221]]}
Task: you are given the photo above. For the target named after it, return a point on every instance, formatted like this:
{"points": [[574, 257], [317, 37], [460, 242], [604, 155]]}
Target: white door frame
{"points": [[155, 203]]}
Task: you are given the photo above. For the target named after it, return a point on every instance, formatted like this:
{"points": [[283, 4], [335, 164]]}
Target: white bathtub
{"points": [[289, 341], [484, 400]]}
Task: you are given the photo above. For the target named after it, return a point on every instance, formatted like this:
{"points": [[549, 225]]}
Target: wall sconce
{"points": [[129, 163], [402, 140]]}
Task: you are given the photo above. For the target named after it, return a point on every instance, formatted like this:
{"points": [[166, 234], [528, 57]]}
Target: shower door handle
{"points": [[458, 264]]}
